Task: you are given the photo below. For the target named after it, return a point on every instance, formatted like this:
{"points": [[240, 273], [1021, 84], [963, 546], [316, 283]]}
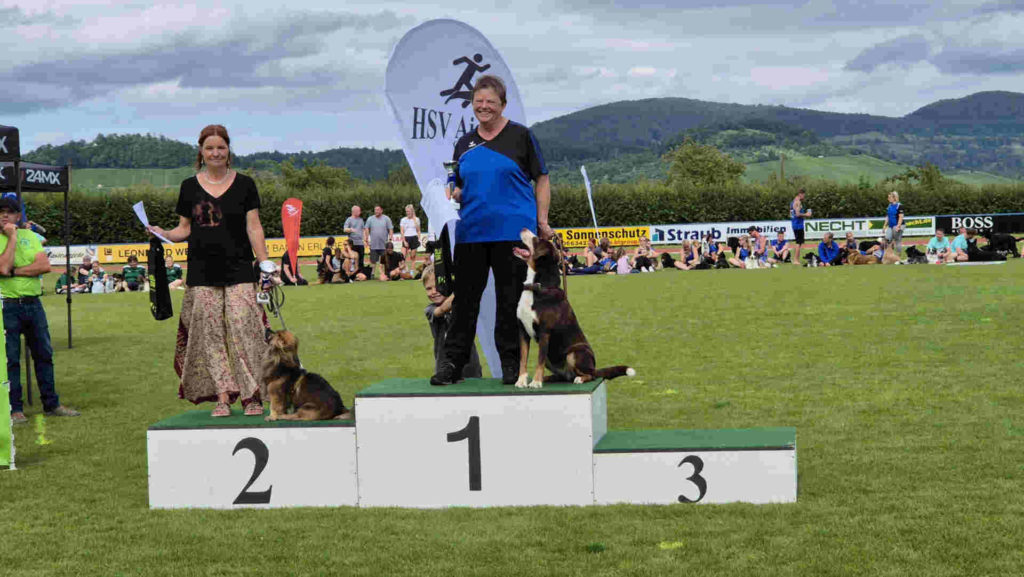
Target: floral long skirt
{"points": [[221, 344]]}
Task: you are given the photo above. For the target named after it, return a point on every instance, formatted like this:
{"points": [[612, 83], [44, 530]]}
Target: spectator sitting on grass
{"points": [[62, 285], [759, 247], [939, 249], [743, 253], [322, 263], [622, 265], [439, 316], [645, 259], [134, 275], [84, 269], [828, 251], [350, 263], [394, 263], [592, 253], [851, 242], [959, 246], [96, 279], [289, 277], [606, 264], [780, 248], [710, 251], [175, 276], [688, 257]]}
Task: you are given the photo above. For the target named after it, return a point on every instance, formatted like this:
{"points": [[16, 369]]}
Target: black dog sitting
{"points": [[915, 256]]}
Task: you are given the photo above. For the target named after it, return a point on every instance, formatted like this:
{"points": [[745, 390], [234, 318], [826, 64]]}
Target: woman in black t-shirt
{"points": [[222, 329]]}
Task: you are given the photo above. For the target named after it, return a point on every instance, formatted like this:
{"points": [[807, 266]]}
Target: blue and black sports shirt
{"points": [[496, 177]]}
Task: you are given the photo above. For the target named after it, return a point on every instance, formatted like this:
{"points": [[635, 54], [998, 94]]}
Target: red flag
{"points": [[291, 216]]}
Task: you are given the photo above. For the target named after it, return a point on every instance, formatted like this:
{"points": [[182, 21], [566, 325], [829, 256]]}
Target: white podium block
{"points": [[478, 443], [239, 461], [716, 466]]}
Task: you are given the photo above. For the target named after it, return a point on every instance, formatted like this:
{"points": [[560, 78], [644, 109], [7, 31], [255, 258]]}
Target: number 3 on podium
{"points": [[470, 433]]}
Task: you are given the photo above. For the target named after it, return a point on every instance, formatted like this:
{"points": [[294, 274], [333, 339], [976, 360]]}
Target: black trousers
{"points": [[359, 250], [472, 263]]}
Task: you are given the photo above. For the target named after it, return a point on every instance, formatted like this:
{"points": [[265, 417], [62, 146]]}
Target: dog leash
{"points": [[557, 241]]}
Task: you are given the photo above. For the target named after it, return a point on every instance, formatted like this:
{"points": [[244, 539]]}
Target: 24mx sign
{"points": [[38, 176]]}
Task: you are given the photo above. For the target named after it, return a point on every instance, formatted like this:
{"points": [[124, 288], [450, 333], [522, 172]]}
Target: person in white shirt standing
{"points": [[410, 227]]}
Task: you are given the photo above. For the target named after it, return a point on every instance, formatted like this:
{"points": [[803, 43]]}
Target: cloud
{"points": [[904, 51], [272, 54], [14, 16], [979, 60]]}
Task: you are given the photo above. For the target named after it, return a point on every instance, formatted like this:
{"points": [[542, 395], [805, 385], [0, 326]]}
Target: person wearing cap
{"points": [[22, 261]]}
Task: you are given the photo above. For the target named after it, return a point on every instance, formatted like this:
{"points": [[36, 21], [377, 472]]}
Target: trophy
{"points": [[449, 168]]}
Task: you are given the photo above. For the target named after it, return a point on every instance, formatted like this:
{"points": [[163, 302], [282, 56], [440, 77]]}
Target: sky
{"points": [[308, 75]]}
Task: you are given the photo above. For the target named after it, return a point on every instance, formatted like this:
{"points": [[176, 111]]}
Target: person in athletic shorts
{"points": [[796, 218], [410, 227], [894, 224]]}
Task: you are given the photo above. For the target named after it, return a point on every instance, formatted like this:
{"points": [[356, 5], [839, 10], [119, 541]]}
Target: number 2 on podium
{"points": [[471, 433]]}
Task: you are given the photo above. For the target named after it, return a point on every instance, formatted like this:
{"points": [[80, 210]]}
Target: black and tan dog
{"points": [[289, 384], [546, 316]]}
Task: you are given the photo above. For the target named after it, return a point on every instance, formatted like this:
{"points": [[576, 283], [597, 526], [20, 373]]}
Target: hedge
{"points": [[109, 218]]}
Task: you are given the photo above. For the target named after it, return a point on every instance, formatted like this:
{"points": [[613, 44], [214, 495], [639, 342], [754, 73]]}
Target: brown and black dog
{"points": [[289, 384], [545, 315]]}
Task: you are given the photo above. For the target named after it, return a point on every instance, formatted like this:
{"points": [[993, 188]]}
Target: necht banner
{"points": [[429, 86], [9, 146]]}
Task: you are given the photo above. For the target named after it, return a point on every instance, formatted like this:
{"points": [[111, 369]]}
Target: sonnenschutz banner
{"points": [[429, 86], [10, 147], [34, 177]]}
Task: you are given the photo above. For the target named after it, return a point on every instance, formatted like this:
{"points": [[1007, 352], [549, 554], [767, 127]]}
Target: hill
{"points": [[982, 131]]}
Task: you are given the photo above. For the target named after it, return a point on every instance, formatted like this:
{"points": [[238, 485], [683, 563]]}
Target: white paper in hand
{"points": [[140, 211]]}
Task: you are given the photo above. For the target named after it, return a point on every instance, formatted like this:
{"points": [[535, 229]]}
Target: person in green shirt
{"points": [[134, 275], [175, 276], [22, 261]]}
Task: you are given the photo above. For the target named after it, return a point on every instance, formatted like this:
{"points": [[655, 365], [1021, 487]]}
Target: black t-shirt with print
{"points": [[219, 252]]}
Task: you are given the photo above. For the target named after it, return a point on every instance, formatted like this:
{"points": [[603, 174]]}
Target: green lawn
{"points": [[848, 168], [904, 384], [98, 179]]}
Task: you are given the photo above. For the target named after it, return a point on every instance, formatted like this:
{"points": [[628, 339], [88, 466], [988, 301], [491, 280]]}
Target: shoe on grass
{"points": [[62, 411], [19, 418]]}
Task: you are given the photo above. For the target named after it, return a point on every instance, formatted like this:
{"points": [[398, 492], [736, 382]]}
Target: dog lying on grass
{"points": [[545, 315], [1002, 243], [288, 384]]}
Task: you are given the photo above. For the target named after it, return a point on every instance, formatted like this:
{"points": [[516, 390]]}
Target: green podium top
{"points": [[668, 441], [470, 388], [202, 420]]}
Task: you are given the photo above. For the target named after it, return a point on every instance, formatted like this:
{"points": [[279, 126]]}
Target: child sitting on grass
{"points": [[439, 316]]}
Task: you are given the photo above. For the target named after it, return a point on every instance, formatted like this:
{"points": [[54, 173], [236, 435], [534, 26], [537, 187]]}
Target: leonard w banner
{"points": [[429, 86]]}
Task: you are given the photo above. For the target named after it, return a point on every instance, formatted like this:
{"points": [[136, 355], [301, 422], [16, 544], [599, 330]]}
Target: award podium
{"points": [[477, 443]]}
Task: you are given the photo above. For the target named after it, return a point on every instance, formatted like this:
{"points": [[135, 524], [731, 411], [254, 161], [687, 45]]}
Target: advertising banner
{"points": [[867, 227], [10, 148], [34, 177], [813, 229], [617, 235], [119, 253], [1006, 223], [677, 233]]}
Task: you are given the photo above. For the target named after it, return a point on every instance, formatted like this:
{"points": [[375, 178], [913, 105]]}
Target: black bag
{"points": [[159, 291], [444, 268]]}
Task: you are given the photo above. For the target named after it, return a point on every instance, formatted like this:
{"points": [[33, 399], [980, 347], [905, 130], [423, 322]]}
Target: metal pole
{"points": [[67, 248]]}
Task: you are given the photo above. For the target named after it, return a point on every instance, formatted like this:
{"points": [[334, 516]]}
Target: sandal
{"points": [[221, 410], [254, 409]]}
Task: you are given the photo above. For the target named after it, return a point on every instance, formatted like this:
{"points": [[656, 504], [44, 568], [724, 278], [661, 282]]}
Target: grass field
{"points": [[904, 384], [97, 179], [851, 168]]}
